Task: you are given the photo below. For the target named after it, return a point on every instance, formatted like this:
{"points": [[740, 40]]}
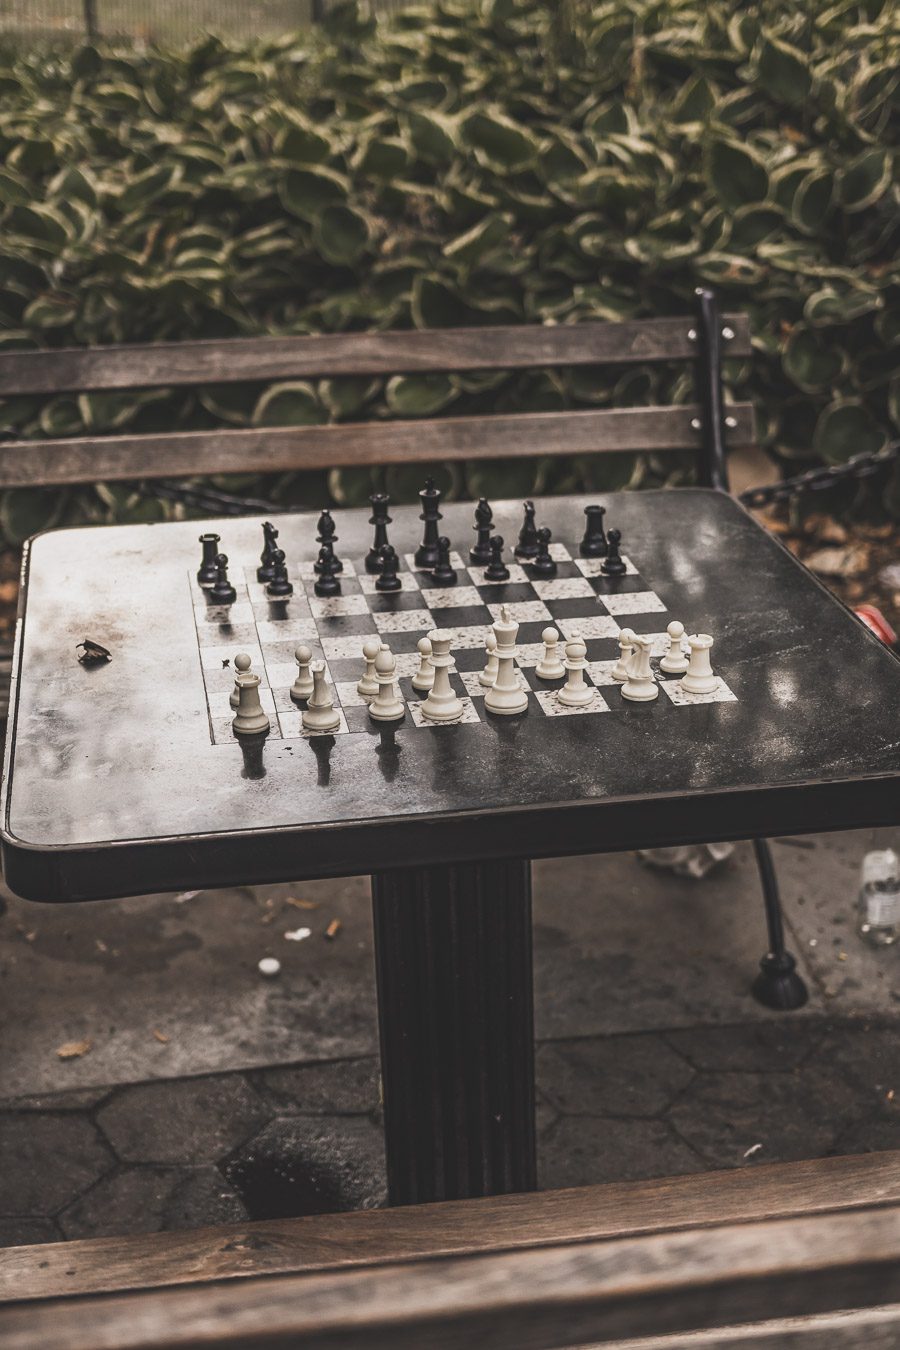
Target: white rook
{"points": [[699, 677]]}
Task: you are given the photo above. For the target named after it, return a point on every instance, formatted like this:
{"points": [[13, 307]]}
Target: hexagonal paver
{"points": [[611, 1075], [150, 1199], [792, 1115], [867, 1054], [583, 1151], [304, 1165], [760, 1047], [189, 1120], [47, 1161], [347, 1087]]}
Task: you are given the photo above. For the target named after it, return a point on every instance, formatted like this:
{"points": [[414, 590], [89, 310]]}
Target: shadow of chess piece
{"points": [[252, 747], [388, 752], [322, 747]]}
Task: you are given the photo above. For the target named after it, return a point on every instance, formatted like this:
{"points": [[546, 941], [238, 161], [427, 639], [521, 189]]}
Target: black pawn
{"points": [[208, 571], [444, 574], [426, 554], [387, 580], [381, 520], [612, 565], [543, 565], [594, 544], [279, 587], [527, 546], [266, 570], [222, 590], [480, 552], [327, 535], [496, 569], [326, 582]]}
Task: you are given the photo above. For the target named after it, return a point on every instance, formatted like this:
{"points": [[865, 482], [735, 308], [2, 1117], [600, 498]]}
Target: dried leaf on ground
{"points": [[839, 562], [161, 1036], [333, 928], [74, 1049], [301, 904]]}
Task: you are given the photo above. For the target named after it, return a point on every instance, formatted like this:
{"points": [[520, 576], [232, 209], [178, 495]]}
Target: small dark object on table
{"points": [[92, 653], [594, 543]]}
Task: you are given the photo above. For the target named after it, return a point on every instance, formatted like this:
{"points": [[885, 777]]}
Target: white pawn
{"points": [[320, 713], [488, 676], [640, 687], [699, 678], [619, 671], [241, 665], [386, 706], [550, 667], [575, 693], [424, 676], [250, 720], [674, 662], [368, 684], [442, 703], [303, 684]]}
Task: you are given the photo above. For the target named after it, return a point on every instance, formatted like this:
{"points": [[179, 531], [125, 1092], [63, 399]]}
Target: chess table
{"points": [[125, 778]]}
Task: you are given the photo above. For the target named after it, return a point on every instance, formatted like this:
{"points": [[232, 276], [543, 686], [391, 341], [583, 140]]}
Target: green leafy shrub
{"points": [[470, 163]]}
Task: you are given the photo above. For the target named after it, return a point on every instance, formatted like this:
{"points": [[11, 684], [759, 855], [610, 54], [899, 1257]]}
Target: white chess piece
{"points": [[249, 720], [442, 704], [506, 695], [575, 693], [424, 676], [303, 684], [386, 706], [674, 662], [368, 683], [242, 664], [550, 667], [320, 713], [619, 671], [489, 675], [699, 677], [640, 687]]}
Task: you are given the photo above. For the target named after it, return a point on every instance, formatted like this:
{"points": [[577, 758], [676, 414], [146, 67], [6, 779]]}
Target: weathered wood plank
{"points": [[592, 1292], [861, 1329], [331, 354], [265, 449], [320, 1242]]}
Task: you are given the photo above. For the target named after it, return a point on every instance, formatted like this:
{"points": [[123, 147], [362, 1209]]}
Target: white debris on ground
{"points": [[269, 966], [687, 860], [298, 934]]}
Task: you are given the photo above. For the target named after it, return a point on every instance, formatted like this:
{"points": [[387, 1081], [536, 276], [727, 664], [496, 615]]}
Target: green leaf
{"points": [[812, 200], [291, 404], [433, 137], [341, 235], [347, 395], [846, 428], [382, 157], [499, 143], [26, 511], [782, 70], [50, 311], [864, 180], [736, 174], [15, 188], [306, 192], [828, 307], [808, 364], [301, 144], [470, 247], [419, 395]]}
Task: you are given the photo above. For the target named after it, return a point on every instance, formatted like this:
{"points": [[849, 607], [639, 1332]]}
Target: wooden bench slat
{"points": [[592, 1292], [331, 354], [267, 449], [329, 1241]]}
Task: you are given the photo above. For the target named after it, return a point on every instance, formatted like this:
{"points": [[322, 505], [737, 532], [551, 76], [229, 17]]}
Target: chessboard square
{"points": [[560, 553], [358, 719], [602, 649], [212, 658], [507, 592], [403, 644], [500, 719], [529, 653], [283, 700], [239, 635], [467, 616], [475, 689], [241, 612], [516, 571], [347, 695], [466, 639], [601, 671], [530, 635], [391, 602], [659, 644], [407, 664], [405, 621], [634, 602], [645, 624], [411, 695], [534, 682], [287, 630], [617, 585], [573, 609], [223, 678], [343, 649], [220, 706], [281, 611], [564, 588], [307, 569], [282, 673], [525, 611], [469, 658], [368, 583], [296, 720], [589, 626], [564, 571], [338, 606], [551, 706], [593, 567], [350, 625], [451, 597], [469, 714], [344, 669], [681, 698]]}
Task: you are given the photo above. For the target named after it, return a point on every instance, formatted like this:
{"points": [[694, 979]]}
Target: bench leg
{"points": [[454, 973]]}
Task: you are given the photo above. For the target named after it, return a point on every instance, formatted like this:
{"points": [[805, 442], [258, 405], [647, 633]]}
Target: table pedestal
{"points": [[454, 972]]}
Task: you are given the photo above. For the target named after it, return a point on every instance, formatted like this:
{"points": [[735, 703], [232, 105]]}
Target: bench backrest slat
{"points": [[165, 364]]}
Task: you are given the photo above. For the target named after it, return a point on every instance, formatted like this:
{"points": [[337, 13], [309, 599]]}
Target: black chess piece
{"points": [[207, 572], [426, 555], [444, 573], [327, 535], [527, 546], [480, 552], [496, 569], [381, 520], [327, 583], [543, 564], [279, 588], [612, 565], [222, 591], [388, 580], [266, 571], [594, 543]]}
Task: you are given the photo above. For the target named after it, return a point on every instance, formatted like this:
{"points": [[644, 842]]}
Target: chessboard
{"points": [[578, 601]]}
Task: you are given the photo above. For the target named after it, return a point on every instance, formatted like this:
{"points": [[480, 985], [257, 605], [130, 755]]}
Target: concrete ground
{"points": [[196, 1091]]}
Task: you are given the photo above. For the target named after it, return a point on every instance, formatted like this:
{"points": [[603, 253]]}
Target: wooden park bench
{"points": [[802, 1255]]}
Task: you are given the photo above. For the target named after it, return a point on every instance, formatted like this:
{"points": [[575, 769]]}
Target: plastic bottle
{"points": [[879, 898]]}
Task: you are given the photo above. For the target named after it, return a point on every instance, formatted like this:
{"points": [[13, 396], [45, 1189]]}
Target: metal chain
{"points": [[818, 480]]}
